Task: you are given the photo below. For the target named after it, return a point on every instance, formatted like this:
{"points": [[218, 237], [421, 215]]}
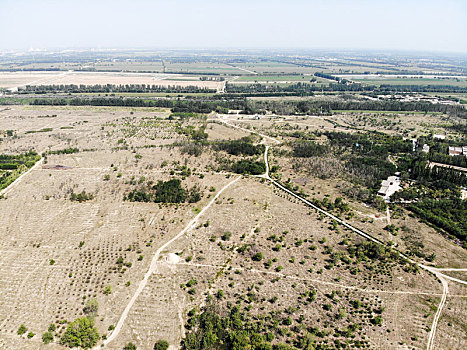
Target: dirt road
{"points": [[153, 266]]}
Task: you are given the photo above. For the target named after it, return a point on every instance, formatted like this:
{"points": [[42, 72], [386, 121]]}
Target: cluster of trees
{"points": [[342, 85], [110, 88], [212, 330], [326, 76], [69, 150], [327, 106], [421, 88], [11, 166], [249, 167], [12, 162], [80, 333], [83, 196], [231, 328], [338, 204], [309, 149], [458, 160], [436, 196], [369, 171], [438, 177], [296, 89], [447, 214], [372, 251], [197, 135], [208, 104], [242, 146], [373, 144], [364, 157], [368, 160], [170, 191], [184, 106]]}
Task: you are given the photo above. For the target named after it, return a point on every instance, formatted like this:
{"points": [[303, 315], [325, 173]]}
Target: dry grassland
{"points": [[55, 254]]}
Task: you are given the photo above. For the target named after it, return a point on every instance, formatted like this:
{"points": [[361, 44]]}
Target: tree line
{"points": [[111, 88], [207, 105]]}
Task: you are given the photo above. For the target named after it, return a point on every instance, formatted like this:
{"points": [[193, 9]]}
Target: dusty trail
{"points": [[314, 280], [245, 70], [153, 266], [431, 336], [250, 131]]}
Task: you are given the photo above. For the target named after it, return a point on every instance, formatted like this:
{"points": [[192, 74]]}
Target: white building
{"points": [[389, 187], [458, 151]]}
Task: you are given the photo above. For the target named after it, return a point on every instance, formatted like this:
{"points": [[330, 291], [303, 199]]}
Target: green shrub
{"points": [[47, 337], [22, 329], [258, 256], [129, 346], [161, 345]]}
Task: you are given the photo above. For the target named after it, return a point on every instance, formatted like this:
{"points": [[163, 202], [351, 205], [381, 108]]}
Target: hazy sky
{"points": [[426, 25]]}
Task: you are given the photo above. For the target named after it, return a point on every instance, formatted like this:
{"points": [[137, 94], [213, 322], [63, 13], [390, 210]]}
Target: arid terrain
{"points": [[148, 264]]}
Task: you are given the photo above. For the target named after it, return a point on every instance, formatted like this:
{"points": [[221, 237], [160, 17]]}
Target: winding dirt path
{"points": [[153, 266], [431, 336]]}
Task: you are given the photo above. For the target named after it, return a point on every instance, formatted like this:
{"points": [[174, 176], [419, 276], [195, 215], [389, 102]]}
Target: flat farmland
{"points": [[460, 82], [279, 79], [200, 68], [20, 79], [129, 66], [274, 67]]}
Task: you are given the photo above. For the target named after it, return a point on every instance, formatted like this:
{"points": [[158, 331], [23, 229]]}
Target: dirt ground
{"points": [[20, 79], [55, 254]]}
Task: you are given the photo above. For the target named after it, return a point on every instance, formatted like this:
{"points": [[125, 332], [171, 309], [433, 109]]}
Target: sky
{"points": [[409, 25]]}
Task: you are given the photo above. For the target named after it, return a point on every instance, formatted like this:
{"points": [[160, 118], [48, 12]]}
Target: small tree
{"points": [[161, 345], [91, 308], [220, 294]]}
